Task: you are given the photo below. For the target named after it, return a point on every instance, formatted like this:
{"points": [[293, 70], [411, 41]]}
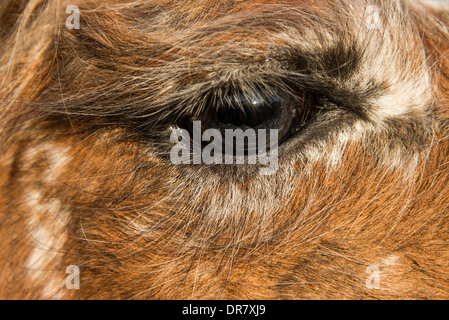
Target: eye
{"points": [[256, 111]]}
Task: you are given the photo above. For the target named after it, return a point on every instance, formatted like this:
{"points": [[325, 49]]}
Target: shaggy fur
{"points": [[85, 178]]}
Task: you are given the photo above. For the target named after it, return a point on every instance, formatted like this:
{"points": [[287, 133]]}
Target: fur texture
{"points": [[85, 177]]}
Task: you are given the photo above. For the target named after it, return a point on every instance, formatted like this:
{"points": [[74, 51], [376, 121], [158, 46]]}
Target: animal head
{"points": [[99, 98]]}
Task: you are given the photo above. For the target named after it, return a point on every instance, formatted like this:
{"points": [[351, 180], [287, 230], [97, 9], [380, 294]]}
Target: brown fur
{"points": [[98, 101]]}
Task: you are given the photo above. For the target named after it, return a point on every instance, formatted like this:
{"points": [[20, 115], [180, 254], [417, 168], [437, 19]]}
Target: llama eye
{"points": [[258, 111]]}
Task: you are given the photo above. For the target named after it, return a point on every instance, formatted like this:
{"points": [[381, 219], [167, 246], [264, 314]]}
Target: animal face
{"points": [[121, 124]]}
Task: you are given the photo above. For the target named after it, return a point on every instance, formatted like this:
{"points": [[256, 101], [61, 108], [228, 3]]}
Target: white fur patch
{"points": [[54, 289], [336, 148], [46, 226], [57, 159], [390, 261], [437, 4]]}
